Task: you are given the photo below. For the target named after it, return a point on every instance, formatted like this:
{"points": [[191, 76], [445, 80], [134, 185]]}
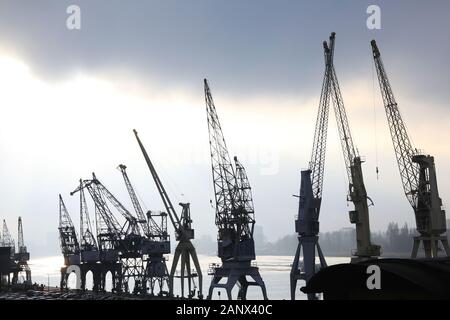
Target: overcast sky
{"points": [[69, 100]]}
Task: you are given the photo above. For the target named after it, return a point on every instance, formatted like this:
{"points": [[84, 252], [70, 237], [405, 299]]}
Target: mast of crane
{"points": [[310, 199], [22, 256], [20, 243], [417, 172]]}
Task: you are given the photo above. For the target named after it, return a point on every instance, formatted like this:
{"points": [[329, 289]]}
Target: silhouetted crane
{"points": [[183, 234], [357, 190], [155, 244], [234, 214], [310, 199], [22, 256], [417, 172]]}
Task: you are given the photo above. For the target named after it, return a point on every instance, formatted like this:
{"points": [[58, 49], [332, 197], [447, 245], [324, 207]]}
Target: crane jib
{"points": [[166, 200]]}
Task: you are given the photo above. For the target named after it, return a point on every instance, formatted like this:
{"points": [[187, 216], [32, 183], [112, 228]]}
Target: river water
{"points": [[274, 271]]}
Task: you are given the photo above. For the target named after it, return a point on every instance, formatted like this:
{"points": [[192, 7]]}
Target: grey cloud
{"points": [[250, 46]]}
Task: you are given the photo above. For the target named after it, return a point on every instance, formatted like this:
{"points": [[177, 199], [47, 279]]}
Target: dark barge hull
{"points": [[401, 279]]}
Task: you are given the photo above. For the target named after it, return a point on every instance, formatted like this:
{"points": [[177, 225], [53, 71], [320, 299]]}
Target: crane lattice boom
{"points": [[162, 191], [317, 163], [230, 210], [404, 151], [67, 231], [87, 241]]}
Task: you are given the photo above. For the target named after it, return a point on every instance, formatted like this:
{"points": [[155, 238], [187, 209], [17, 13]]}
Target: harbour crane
{"points": [[116, 242], [310, 199], [357, 190], [185, 250], [234, 214], [417, 172], [155, 244], [109, 232], [22, 256]]}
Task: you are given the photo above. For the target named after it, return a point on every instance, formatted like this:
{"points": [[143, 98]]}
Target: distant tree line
{"points": [[394, 241]]}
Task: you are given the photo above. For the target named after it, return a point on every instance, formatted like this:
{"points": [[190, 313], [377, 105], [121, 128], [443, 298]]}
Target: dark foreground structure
{"points": [[400, 279], [14, 268]]}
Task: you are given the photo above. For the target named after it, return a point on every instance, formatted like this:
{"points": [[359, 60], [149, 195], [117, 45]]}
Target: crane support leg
{"points": [[186, 251], [446, 246], [307, 227], [183, 268], [295, 270], [176, 257], [308, 269], [193, 254], [236, 273], [430, 245]]}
